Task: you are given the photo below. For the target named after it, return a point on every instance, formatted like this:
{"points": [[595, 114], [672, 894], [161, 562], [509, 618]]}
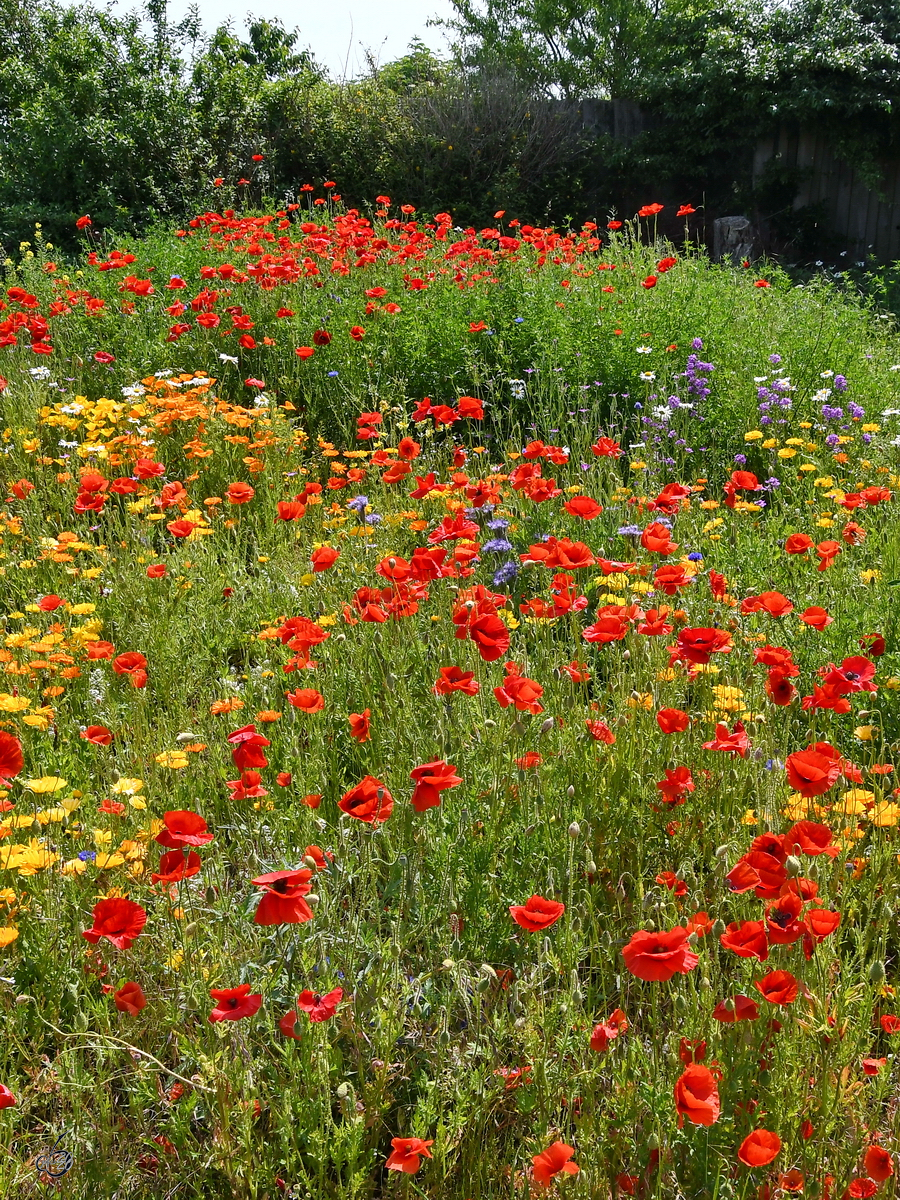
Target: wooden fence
{"points": [[851, 216], [867, 221]]}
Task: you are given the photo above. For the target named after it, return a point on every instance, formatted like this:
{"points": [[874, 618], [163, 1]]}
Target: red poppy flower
{"points": [[813, 771], [821, 922], [778, 987], [600, 732], [7, 1099], [759, 1148], [133, 664], [672, 720], [490, 635], [99, 735], [406, 1154], [798, 543], [552, 1161], [816, 617], [308, 700], [809, 837], [678, 783], [233, 1004], [657, 539], [608, 1030], [658, 956], [747, 940], [862, 1189], [873, 1066], [282, 902], [183, 828], [11, 758], [697, 1096], [320, 1008], [454, 679], [174, 866], [247, 754], [181, 529], [130, 998], [537, 913], [359, 725], [650, 210], [890, 1023], [879, 1163], [736, 1008], [730, 743], [698, 645], [369, 801], [431, 779], [519, 691], [584, 507], [157, 571], [118, 920]]}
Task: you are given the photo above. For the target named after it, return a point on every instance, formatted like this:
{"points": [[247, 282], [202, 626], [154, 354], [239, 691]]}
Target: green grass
{"points": [[443, 992]]}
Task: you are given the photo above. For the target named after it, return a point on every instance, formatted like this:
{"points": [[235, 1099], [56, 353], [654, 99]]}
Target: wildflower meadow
{"points": [[449, 715]]}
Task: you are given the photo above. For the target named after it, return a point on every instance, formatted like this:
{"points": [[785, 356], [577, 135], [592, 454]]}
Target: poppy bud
{"points": [[545, 946], [482, 984], [626, 654], [591, 867], [652, 1142], [547, 726], [190, 930], [574, 830], [312, 899], [692, 937], [793, 866], [877, 972], [705, 984], [309, 861], [570, 791], [719, 927], [680, 1003], [722, 852]]}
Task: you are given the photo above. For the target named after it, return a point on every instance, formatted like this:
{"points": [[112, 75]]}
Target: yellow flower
{"points": [[749, 817], [886, 814], [753, 436], [864, 732], [870, 428], [104, 860], [786, 452], [126, 787], [13, 704], [796, 808], [869, 576], [47, 783], [175, 759], [807, 467], [641, 700], [8, 934], [638, 466], [770, 443]]}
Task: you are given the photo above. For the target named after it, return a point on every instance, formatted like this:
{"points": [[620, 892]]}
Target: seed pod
{"points": [[570, 792], [877, 972]]}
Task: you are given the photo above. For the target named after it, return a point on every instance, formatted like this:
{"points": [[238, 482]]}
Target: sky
{"points": [[337, 31]]}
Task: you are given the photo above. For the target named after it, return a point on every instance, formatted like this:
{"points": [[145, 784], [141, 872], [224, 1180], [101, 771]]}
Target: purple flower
{"points": [[358, 504], [506, 573], [855, 411], [840, 383], [697, 344], [497, 545], [774, 359], [740, 459]]}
